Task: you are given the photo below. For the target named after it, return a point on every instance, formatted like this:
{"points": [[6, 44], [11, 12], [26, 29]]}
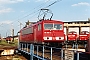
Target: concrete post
{"points": [[78, 56], [62, 54], [51, 53]]}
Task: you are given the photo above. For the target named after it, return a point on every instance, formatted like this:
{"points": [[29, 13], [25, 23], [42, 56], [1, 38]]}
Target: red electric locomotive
{"points": [[72, 37], [84, 36], [9, 38], [44, 31]]}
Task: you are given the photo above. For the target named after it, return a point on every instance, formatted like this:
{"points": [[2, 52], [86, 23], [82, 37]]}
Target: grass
{"points": [[5, 43]]}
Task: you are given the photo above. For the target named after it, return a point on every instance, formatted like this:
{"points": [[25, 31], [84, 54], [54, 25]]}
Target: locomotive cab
{"points": [[53, 32]]}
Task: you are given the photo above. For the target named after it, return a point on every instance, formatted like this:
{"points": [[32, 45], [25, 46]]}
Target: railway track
{"points": [[7, 53], [13, 57]]}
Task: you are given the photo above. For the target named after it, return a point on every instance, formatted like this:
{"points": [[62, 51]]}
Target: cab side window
{"points": [[39, 27]]}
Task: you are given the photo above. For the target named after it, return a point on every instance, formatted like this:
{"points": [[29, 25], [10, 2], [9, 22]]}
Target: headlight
{"points": [[62, 38], [83, 35], [59, 38], [47, 38]]}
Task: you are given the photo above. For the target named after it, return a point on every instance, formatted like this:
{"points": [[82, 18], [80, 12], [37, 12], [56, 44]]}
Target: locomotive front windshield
{"points": [[83, 32], [52, 26]]}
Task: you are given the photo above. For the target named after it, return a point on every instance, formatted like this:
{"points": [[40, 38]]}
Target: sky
{"points": [[14, 12]]}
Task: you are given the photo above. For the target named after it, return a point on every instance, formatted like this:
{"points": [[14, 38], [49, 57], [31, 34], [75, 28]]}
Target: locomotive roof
{"points": [[35, 23], [77, 22]]}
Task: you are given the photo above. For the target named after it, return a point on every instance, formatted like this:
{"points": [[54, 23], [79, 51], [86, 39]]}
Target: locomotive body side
{"points": [[31, 34], [38, 33]]}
